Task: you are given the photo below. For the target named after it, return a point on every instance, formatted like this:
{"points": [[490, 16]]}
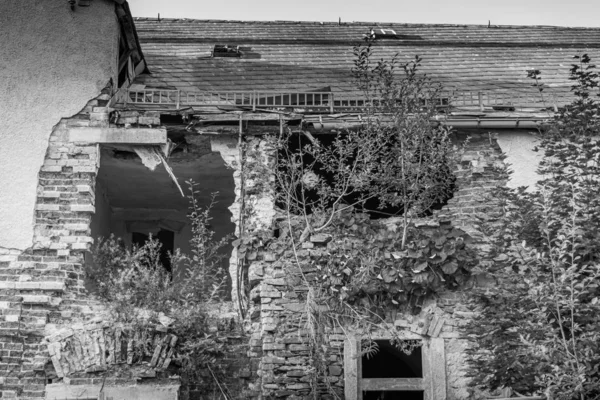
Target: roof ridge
{"points": [[350, 23]]}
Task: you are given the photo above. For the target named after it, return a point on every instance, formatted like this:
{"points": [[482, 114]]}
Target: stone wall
{"points": [[279, 325]]}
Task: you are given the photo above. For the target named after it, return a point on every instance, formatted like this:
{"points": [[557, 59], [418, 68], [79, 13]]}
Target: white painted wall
{"points": [[52, 62], [518, 147]]}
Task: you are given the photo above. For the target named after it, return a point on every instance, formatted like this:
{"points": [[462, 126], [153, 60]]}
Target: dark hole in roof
{"points": [[221, 50], [391, 34]]}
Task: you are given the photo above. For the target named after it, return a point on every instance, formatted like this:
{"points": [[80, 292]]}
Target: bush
{"points": [[538, 329], [140, 291]]}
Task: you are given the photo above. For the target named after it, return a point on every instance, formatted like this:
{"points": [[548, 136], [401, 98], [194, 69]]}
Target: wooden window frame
{"points": [[433, 382]]}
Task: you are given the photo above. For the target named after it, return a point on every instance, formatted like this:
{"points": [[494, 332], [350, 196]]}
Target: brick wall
{"points": [[480, 169], [42, 288], [278, 298], [44, 284], [269, 353]]}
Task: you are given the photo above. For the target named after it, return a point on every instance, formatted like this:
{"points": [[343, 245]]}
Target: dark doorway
{"points": [[167, 241], [393, 395], [392, 362]]}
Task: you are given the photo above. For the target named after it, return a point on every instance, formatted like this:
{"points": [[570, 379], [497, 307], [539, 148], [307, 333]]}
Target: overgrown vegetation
{"points": [[140, 292], [538, 329], [397, 158]]}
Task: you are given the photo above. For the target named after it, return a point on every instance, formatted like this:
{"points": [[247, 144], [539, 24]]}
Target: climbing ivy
{"points": [[366, 262], [360, 262]]}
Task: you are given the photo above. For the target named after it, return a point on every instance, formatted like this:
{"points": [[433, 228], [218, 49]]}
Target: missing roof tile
{"points": [[391, 34], [226, 51]]}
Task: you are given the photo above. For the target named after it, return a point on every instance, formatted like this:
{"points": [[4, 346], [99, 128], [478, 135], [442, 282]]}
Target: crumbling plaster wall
{"points": [[521, 157], [52, 62], [260, 202]]}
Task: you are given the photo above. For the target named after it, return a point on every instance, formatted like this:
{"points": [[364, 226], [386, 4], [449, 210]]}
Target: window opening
{"points": [[167, 240], [393, 395], [384, 34], [132, 201], [390, 361], [419, 375]]}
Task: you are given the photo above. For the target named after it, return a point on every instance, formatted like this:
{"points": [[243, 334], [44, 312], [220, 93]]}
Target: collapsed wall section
{"points": [[44, 284], [42, 288], [51, 330], [280, 314]]}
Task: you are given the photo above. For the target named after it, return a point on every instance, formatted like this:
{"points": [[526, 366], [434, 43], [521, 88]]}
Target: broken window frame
{"points": [[433, 382]]}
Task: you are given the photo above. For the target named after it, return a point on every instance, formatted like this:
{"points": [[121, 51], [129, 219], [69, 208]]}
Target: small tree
{"points": [[397, 157], [538, 329]]}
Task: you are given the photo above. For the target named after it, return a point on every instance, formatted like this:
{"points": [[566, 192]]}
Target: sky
{"points": [[575, 13]]}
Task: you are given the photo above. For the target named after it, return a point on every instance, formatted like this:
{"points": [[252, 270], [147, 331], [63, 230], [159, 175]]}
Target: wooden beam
{"points": [[352, 369], [426, 368], [235, 130], [123, 59], [128, 30], [140, 67], [235, 116], [437, 356], [388, 384]]}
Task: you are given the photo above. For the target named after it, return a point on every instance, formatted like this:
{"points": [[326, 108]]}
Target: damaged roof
{"points": [[305, 56]]}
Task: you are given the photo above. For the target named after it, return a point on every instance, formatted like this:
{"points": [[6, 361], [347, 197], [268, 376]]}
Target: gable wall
{"points": [[52, 62]]}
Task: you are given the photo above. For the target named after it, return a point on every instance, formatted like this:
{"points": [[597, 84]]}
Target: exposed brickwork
{"points": [[278, 297], [270, 354], [45, 283], [43, 286], [480, 170]]}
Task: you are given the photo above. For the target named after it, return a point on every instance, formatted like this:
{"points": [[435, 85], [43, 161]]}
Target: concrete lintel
{"points": [[147, 136], [132, 392]]}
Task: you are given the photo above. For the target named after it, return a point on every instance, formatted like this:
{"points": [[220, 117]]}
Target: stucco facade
{"points": [[521, 158], [52, 62]]}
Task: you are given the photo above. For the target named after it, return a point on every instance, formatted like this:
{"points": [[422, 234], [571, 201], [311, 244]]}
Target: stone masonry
{"points": [[278, 314]]}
